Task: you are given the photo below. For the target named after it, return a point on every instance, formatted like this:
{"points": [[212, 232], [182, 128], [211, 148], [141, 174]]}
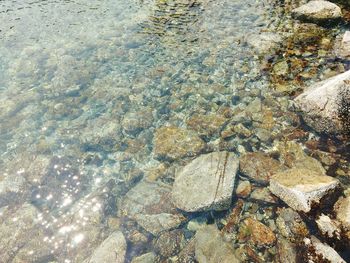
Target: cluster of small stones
{"points": [[230, 182]]}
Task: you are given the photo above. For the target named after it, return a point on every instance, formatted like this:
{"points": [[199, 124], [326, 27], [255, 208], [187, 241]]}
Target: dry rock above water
{"points": [[301, 188], [318, 11], [328, 227], [206, 183], [324, 104], [174, 143], [342, 210], [210, 247], [321, 251]]}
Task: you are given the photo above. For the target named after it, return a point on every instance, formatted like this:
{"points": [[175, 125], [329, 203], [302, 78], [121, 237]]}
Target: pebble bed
{"points": [[103, 104]]}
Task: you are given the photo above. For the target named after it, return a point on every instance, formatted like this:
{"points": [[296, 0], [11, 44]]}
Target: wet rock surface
{"points": [[256, 232], [211, 177], [112, 249], [174, 143], [96, 125], [155, 212], [259, 167], [209, 246]]}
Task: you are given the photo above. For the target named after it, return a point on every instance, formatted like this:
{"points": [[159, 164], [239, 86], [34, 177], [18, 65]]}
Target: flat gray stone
{"points": [[300, 188], [150, 205], [206, 183]]}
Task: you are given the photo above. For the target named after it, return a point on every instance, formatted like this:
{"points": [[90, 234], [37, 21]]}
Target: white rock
{"points": [[210, 247], [342, 209], [300, 188], [318, 11], [112, 249], [322, 250], [320, 103], [206, 183], [328, 227]]}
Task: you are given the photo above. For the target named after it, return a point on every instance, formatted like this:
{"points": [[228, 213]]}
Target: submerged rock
{"points": [[134, 122], [263, 195], [243, 189], [287, 251], [324, 104], [210, 247], [113, 249], [170, 243], [301, 188], [174, 143], [206, 125], [321, 252], [290, 225], [12, 187], [145, 258], [259, 166], [20, 233], [149, 204], [265, 41], [318, 11], [206, 183], [256, 232]]}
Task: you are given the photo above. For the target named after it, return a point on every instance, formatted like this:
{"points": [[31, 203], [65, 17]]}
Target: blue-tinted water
{"points": [[84, 85]]}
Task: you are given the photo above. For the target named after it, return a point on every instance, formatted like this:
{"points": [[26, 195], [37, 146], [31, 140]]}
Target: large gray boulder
{"points": [[318, 11], [325, 105], [206, 183]]}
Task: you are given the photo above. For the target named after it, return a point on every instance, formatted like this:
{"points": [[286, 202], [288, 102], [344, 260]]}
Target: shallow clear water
{"points": [[85, 84]]}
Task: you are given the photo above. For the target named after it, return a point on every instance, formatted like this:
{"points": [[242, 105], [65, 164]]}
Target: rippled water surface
{"points": [[84, 85]]}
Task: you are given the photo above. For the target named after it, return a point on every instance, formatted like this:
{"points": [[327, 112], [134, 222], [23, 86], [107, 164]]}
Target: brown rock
{"points": [[206, 124], [243, 189], [259, 166], [256, 232], [174, 143], [170, 243]]}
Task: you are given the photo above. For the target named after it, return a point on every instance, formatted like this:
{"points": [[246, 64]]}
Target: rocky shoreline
{"points": [[264, 177]]}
